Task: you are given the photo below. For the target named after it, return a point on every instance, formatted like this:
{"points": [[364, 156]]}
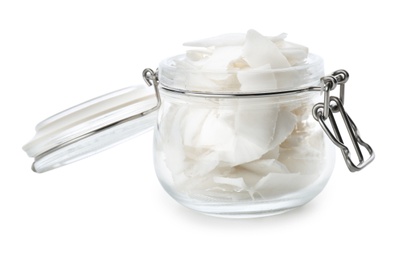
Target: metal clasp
{"points": [[151, 79], [333, 105]]}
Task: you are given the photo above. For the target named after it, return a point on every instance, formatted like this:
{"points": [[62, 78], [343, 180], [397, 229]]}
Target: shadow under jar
{"points": [[240, 153]]}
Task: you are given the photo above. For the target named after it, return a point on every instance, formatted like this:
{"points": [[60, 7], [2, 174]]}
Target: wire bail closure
{"points": [[333, 105], [151, 79]]}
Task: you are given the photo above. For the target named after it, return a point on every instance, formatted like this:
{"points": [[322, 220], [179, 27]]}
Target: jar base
{"points": [[247, 215], [254, 209]]}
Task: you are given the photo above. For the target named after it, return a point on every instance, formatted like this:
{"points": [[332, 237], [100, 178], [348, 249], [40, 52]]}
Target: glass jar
{"points": [[241, 154], [240, 150]]}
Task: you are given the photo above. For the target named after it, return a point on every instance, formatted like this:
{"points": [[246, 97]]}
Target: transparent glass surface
{"points": [[241, 157]]}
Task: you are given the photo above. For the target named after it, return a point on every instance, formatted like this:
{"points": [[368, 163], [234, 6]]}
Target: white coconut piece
{"points": [[221, 58], [202, 164], [217, 132], [303, 151], [272, 154], [191, 77], [244, 150], [302, 111], [237, 184], [238, 64], [191, 125], [254, 127], [216, 65], [265, 166], [286, 122], [294, 56], [207, 72], [258, 79], [295, 53], [259, 51], [171, 140]]}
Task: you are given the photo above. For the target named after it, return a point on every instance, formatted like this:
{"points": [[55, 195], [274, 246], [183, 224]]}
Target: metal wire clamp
{"points": [[151, 78], [332, 105]]}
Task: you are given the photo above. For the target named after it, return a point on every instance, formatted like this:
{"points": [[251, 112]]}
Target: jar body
{"points": [[243, 156]]}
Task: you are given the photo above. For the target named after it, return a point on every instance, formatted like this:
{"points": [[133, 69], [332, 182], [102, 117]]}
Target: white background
{"points": [[54, 54]]}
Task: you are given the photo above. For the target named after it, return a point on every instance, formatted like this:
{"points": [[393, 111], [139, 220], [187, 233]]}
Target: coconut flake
{"points": [[259, 79], [259, 51], [222, 57], [237, 184], [264, 166]]}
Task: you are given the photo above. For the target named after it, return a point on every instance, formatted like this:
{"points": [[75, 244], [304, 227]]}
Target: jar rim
{"points": [[189, 79], [311, 60]]}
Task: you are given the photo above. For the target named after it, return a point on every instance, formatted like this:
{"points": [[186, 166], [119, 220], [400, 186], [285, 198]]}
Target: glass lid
{"points": [[92, 127]]}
